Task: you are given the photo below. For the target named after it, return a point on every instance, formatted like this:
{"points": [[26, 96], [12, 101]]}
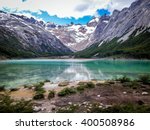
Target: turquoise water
{"points": [[15, 73]]}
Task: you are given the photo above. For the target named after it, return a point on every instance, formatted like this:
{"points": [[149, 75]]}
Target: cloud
{"points": [[82, 7], [65, 8], [120, 4]]}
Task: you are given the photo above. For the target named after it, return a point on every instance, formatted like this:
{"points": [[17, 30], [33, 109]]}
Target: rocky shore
{"points": [[86, 96]]}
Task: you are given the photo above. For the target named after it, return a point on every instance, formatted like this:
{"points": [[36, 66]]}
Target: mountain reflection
{"points": [[78, 71], [19, 72]]}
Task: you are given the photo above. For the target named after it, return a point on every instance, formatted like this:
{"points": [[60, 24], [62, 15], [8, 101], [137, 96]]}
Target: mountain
{"points": [[74, 36], [26, 37], [127, 33]]}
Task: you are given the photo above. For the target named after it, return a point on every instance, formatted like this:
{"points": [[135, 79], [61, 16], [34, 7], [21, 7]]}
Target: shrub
{"points": [[145, 79], [39, 91], [51, 94], [8, 105], [133, 84], [124, 79], [90, 85], [99, 84], [14, 89], [28, 86], [38, 96], [39, 88], [66, 91], [2, 88], [81, 88]]}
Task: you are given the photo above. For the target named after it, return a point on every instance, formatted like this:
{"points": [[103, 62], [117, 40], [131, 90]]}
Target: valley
{"points": [[124, 34]]}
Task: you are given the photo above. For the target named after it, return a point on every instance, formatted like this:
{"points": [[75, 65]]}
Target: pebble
{"points": [[145, 93], [100, 106], [98, 96], [84, 103], [43, 109], [69, 103], [37, 109], [124, 92]]}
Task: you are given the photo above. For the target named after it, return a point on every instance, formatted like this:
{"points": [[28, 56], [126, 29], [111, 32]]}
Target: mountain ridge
{"points": [[20, 38], [124, 33], [124, 28], [74, 36]]}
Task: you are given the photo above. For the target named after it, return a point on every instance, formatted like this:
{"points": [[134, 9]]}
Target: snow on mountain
{"points": [[75, 36], [123, 23], [27, 37]]}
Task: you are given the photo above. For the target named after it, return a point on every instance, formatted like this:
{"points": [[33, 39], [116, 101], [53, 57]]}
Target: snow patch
{"points": [[105, 21], [100, 43], [94, 20]]}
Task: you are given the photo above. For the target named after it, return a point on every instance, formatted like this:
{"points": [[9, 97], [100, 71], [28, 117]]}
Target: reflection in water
{"points": [[15, 72], [74, 72]]}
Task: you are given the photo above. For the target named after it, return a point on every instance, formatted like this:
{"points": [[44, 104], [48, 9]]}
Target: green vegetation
{"points": [[81, 88], [90, 85], [132, 84], [145, 79], [83, 85], [124, 79], [38, 96], [28, 86], [97, 108], [51, 94], [39, 87], [67, 91], [68, 109], [135, 47], [8, 105], [39, 91], [11, 46], [124, 108]]}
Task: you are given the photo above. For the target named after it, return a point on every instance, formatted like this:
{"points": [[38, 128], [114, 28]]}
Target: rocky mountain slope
{"points": [[74, 36], [24, 37], [126, 33]]}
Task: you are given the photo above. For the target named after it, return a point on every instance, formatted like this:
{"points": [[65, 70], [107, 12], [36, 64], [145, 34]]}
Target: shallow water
{"points": [[15, 73]]}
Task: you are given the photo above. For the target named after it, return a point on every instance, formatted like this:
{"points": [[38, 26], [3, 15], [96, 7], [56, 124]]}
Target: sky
{"points": [[63, 11]]}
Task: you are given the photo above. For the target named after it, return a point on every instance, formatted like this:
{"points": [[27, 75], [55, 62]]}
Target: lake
{"points": [[14, 73]]}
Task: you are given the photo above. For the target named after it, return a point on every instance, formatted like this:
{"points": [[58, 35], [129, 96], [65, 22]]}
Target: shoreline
{"points": [[83, 94], [73, 60], [70, 58]]}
